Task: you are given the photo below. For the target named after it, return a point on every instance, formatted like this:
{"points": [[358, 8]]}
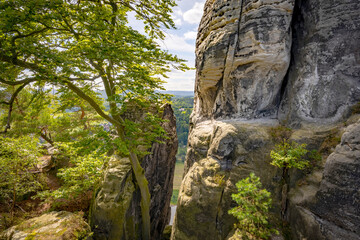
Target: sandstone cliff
{"points": [[261, 64], [116, 212]]}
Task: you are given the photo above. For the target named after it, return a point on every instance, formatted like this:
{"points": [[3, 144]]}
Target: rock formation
{"points": [[332, 211], [260, 64], [243, 53], [116, 212], [242, 56], [53, 225], [324, 76]]}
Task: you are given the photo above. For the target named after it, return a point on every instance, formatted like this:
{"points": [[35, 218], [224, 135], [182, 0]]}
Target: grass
{"points": [[179, 170]]}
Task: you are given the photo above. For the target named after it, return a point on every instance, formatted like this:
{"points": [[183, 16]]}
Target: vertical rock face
{"points": [[260, 63], [116, 212], [243, 53], [324, 77], [225, 153], [338, 199], [332, 211]]}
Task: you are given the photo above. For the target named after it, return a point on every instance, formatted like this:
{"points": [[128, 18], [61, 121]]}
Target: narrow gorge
{"points": [[263, 64]]}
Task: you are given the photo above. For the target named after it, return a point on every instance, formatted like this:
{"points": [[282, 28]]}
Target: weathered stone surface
{"points": [[53, 225], [223, 152], [159, 171], [242, 56], [244, 72], [108, 212], [228, 152], [331, 211], [324, 74], [116, 212]]}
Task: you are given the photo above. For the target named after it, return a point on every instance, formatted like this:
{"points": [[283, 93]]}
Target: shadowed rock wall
{"points": [[324, 75], [116, 212]]}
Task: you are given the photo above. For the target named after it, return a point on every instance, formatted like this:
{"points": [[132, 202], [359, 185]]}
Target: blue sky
{"points": [[181, 42]]}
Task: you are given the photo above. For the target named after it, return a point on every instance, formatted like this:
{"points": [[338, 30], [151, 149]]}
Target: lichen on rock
{"points": [[53, 225]]}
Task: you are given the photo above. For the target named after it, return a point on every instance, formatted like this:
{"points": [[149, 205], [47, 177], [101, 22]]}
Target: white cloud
{"points": [[177, 21], [178, 11], [193, 16], [180, 81], [190, 35], [176, 43]]}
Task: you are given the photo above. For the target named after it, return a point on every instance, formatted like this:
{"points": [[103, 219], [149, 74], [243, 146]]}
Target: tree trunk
{"points": [[145, 195]]}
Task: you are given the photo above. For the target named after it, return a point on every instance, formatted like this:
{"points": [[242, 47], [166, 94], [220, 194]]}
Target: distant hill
{"points": [[175, 93], [180, 93]]}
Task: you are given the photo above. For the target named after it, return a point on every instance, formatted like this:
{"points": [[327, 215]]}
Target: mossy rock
{"points": [[53, 225]]}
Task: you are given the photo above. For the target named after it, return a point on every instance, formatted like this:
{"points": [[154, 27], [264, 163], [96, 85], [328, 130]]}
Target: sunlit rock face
{"points": [[223, 154], [259, 64], [52, 225], [242, 55]]}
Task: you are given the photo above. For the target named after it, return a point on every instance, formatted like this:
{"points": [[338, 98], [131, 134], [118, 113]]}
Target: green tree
{"points": [[18, 165], [252, 210], [79, 46], [287, 155]]}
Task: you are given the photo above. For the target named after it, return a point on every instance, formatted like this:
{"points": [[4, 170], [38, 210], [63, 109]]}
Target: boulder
{"points": [[220, 153], [226, 153], [53, 225]]}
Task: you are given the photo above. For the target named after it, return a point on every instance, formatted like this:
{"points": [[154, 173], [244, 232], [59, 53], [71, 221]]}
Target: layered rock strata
{"points": [[324, 76], [260, 64], [242, 55], [116, 212], [252, 56]]}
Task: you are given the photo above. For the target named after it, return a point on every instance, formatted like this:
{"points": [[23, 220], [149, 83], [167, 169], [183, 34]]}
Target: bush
{"points": [[280, 133], [252, 210], [18, 168], [289, 155], [86, 171]]}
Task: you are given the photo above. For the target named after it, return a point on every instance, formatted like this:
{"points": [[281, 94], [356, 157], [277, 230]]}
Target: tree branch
{"points": [[85, 79], [91, 101], [29, 34], [26, 80], [11, 103], [20, 63]]}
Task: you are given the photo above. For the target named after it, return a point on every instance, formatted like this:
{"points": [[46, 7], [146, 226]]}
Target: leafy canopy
{"points": [[252, 210], [79, 46]]}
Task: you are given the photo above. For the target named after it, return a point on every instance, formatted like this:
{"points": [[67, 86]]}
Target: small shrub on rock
{"points": [[252, 210], [289, 155]]}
